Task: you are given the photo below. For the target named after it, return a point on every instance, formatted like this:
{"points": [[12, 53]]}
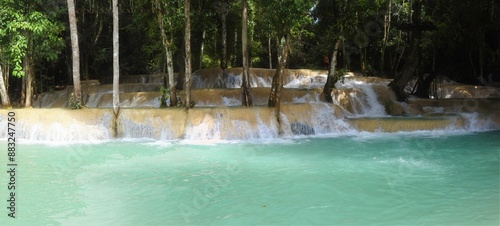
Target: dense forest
{"points": [[388, 38]]}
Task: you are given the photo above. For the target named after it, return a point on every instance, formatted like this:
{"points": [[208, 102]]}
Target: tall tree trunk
{"points": [[202, 49], [187, 52], [30, 79], [411, 64], [171, 78], [277, 83], [245, 86], [116, 59], [387, 26], [362, 59], [3, 91], [23, 91], [163, 34], [168, 55], [234, 58], [75, 52], [269, 51], [332, 78], [424, 86], [223, 60]]}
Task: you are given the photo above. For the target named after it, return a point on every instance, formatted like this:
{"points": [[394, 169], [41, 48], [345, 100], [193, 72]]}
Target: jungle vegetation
{"points": [[388, 38]]}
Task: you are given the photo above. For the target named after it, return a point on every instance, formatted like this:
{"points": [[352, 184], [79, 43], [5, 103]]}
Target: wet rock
{"points": [[301, 129]]}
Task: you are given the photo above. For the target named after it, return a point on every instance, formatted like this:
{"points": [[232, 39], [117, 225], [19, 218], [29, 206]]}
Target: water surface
{"points": [[383, 179]]}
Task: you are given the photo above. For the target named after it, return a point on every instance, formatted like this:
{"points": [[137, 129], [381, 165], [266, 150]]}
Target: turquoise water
{"points": [[376, 179]]}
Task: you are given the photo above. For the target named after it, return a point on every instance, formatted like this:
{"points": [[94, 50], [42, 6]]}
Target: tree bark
{"points": [[168, 56], [270, 53], [171, 79], [28, 73], [332, 78], [387, 26], [277, 83], [3, 91], [116, 59], [424, 86], [202, 49], [23, 91], [223, 60], [246, 89], [75, 52], [187, 52], [411, 64]]}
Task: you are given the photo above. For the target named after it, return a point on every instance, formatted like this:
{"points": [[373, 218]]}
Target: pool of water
{"points": [[386, 179]]}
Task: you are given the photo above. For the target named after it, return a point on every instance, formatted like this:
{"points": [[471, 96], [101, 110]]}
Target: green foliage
{"points": [[209, 62], [467, 33], [164, 97], [340, 74], [145, 23], [26, 29], [73, 104], [286, 16]]}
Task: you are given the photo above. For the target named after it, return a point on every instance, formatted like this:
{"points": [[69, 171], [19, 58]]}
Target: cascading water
{"points": [[360, 104], [365, 102], [60, 124]]}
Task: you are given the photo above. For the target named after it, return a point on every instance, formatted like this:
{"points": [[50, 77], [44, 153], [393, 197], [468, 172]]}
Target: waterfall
{"points": [[59, 124], [363, 99], [359, 104], [313, 119], [231, 124]]}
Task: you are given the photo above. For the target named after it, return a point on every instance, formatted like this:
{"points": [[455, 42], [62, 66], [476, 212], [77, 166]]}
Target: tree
{"points": [[331, 78], [168, 23], [222, 9], [277, 83], [465, 46], [3, 90], [245, 86], [411, 64], [28, 34], [187, 53], [116, 59], [334, 23], [287, 18], [385, 39], [4, 94], [75, 54]]}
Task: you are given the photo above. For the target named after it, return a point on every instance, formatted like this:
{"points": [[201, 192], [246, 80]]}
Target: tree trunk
{"points": [[171, 79], [234, 58], [163, 34], [116, 59], [202, 49], [187, 52], [277, 83], [332, 78], [28, 73], [168, 56], [223, 60], [411, 64], [424, 86], [3, 91], [362, 59], [270, 53], [75, 52], [387, 26], [23, 91], [245, 86]]}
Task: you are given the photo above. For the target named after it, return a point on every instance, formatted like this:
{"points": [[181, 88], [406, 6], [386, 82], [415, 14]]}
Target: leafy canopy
{"points": [[28, 28]]}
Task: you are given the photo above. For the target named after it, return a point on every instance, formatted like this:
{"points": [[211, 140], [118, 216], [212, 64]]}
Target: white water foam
{"points": [[369, 105], [322, 121]]}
